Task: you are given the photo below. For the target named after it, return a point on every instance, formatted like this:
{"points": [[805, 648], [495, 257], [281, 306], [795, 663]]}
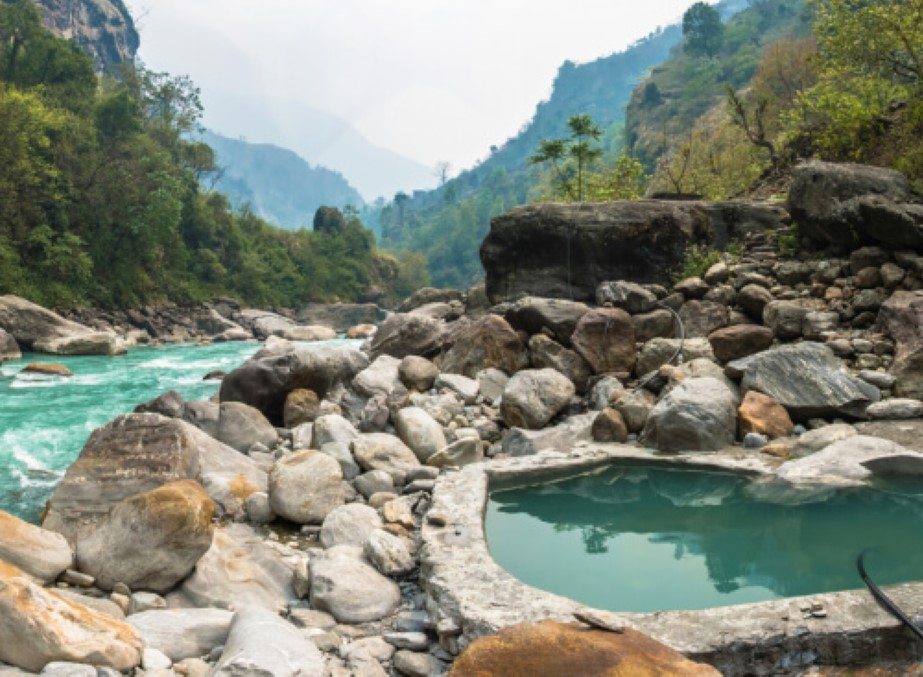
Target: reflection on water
{"points": [[638, 539]]}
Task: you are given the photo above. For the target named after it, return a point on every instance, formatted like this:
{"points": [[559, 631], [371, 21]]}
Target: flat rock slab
{"points": [[183, 633], [262, 643]]}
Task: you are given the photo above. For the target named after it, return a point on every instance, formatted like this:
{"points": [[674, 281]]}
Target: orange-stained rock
{"points": [[40, 553], [609, 426], [777, 449], [39, 626], [150, 541], [8, 570], [487, 342], [48, 369], [550, 649], [361, 331], [759, 413]]}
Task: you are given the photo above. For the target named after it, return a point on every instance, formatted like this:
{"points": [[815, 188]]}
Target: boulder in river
{"points": [[340, 316], [406, 334], [9, 349], [38, 329]]}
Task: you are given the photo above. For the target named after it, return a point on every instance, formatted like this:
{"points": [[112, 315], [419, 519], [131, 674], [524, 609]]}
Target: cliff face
{"points": [[103, 28]]}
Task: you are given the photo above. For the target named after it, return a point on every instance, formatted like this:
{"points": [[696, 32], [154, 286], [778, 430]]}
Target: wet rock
{"points": [[240, 570], [533, 397], [241, 426], [266, 382], [405, 334], [698, 415], [380, 451], [183, 633], [485, 343], [609, 426], [306, 486], [549, 649], [629, 296], [535, 315], [417, 373], [352, 591], [262, 643], [152, 540], [42, 554], [349, 525], [742, 340], [40, 627], [605, 338], [761, 414], [807, 380]]}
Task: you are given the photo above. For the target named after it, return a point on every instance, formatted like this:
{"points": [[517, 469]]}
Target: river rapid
{"points": [[46, 420]]}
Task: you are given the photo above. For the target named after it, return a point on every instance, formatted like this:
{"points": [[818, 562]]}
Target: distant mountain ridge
{"points": [[278, 185]]}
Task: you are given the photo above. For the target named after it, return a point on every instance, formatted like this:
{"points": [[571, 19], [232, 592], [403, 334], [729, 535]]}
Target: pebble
{"points": [[412, 641], [755, 441]]}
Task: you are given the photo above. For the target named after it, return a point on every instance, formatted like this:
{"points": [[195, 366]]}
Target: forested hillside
{"points": [[101, 201], [275, 183], [448, 224]]}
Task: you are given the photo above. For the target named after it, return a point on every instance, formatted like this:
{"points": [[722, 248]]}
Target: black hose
{"points": [[883, 600]]}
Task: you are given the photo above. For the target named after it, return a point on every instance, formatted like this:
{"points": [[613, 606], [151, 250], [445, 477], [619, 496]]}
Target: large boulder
{"points": [[183, 633], [534, 396], [739, 340], [807, 379], [352, 591], [379, 378], [240, 570], [566, 250], [42, 331], [826, 201], [266, 382], [152, 540], [419, 431], [485, 343], [902, 317], [550, 649], [405, 334], [340, 316], [534, 315], [660, 351], [698, 415], [417, 373], [349, 525], [562, 437], [262, 643], [39, 553], [137, 453], [39, 627], [381, 451], [241, 426], [9, 349], [428, 295], [311, 332], [759, 413], [547, 353], [264, 324], [605, 338], [305, 486]]}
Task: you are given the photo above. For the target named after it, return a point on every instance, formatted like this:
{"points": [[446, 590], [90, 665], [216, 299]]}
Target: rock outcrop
{"points": [[567, 250], [38, 329], [104, 29]]}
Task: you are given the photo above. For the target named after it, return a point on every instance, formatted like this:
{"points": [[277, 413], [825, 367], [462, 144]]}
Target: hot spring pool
{"points": [[644, 539]]}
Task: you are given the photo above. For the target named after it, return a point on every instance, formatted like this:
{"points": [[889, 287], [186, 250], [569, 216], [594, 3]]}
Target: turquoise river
{"points": [[45, 421]]}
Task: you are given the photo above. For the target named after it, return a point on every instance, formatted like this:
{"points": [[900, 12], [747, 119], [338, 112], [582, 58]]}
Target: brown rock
{"points": [[605, 338], [361, 331], [759, 413], [48, 369], [778, 450], [902, 318], [417, 373], [868, 278], [741, 340], [487, 342], [655, 324], [301, 406], [40, 627], [700, 318], [550, 649], [609, 426], [547, 353]]}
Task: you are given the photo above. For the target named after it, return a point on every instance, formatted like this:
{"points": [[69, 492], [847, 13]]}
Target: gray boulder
{"points": [[427, 296], [343, 585], [333, 428], [534, 396], [535, 315], [901, 317], [629, 296], [405, 334], [417, 373], [261, 643], [466, 388], [203, 414], [698, 415], [388, 553], [309, 333], [562, 437], [241, 426], [379, 378], [264, 324], [40, 553], [9, 349], [340, 316], [183, 633], [549, 354], [659, 351], [306, 486], [463, 451], [807, 379], [42, 331], [349, 525], [419, 431], [380, 451]]}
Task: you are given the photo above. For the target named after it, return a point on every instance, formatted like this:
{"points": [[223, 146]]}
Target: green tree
{"points": [[580, 148], [703, 31]]}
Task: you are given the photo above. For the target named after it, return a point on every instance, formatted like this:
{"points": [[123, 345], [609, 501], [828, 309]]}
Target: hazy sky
{"points": [[434, 80]]}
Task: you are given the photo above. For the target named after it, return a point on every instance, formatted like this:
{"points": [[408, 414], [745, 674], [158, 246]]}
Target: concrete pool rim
{"points": [[470, 595]]}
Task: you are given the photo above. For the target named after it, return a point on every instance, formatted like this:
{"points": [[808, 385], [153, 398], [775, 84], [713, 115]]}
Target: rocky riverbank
{"points": [[278, 528]]}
